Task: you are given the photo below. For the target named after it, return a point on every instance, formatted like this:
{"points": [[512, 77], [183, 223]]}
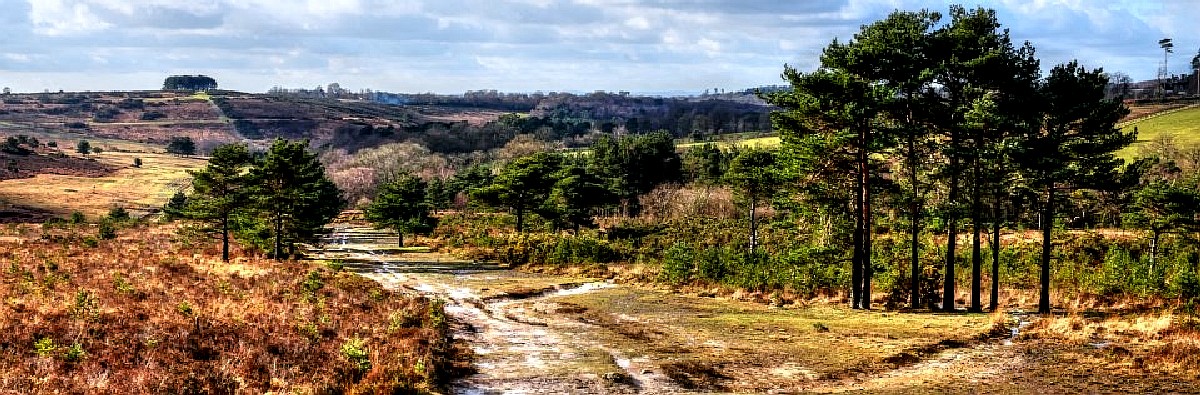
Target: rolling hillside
{"points": [[1181, 124]]}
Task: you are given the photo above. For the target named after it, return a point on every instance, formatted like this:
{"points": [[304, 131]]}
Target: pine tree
{"points": [[753, 175], [635, 165], [523, 185], [1072, 147], [576, 193], [829, 130], [293, 193], [401, 205], [220, 191], [1161, 207]]}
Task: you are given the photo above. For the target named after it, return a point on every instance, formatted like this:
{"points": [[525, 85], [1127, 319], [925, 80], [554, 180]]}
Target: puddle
{"points": [[1020, 321]]}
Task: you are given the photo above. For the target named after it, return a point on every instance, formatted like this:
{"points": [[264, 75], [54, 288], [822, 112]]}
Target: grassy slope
{"points": [[149, 186], [1182, 125], [759, 142]]}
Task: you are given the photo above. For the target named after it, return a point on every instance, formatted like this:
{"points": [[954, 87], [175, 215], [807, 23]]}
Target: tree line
{"points": [[952, 109], [920, 123]]}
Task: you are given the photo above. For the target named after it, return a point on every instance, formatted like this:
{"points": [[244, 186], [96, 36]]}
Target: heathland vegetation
{"points": [[926, 165]]}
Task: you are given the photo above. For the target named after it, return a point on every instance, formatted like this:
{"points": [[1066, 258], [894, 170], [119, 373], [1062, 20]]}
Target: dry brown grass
{"points": [[723, 344], [144, 188], [1163, 342], [146, 313]]}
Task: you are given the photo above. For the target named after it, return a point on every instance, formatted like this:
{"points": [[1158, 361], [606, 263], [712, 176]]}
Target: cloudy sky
{"points": [[450, 46]]}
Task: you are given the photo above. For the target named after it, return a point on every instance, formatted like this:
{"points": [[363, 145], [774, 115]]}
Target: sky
{"points": [[451, 46]]}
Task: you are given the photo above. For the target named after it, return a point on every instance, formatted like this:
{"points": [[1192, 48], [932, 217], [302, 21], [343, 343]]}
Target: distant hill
{"points": [[442, 123]]}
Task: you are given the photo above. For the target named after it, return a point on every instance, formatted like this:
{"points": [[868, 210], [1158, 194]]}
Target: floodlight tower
{"points": [[1196, 68], [1168, 48]]}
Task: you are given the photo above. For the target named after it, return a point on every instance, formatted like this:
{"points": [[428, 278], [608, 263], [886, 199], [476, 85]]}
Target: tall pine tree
{"points": [[220, 191], [294, 195], [401, 205], [1073, 147]]}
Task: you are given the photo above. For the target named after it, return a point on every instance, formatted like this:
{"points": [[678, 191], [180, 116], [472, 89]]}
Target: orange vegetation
{"points": [[151, 312]]}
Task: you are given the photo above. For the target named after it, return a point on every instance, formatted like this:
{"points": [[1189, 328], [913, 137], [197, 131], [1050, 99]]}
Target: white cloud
{"points": [[581, 45], [64, 17]]}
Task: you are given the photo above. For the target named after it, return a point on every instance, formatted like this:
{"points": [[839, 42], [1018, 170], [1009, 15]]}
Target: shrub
{"points": [[1187, 285], [312, 284], [107, 230], [184, 308], [74, 353], [44, 347], [356, 353], [118, 214], [78, 218], [711, 264], [677, 264]]}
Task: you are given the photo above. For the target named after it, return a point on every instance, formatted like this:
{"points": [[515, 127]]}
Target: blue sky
{"points": [[450, 46]]}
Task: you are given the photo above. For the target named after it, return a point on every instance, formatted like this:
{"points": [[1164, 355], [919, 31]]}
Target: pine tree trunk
{"points": [[753, 224], [278, 237], [400, 238], [1047, 227], [225, 239], [520, 218], [1154, 236], [856, 261], [860, 258], [951, 233], [915, 225], [994, 301], [868, 271], [976, 253]]}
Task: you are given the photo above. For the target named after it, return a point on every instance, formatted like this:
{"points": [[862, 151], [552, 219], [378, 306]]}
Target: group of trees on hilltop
{"points": [[273, 200], [189, 82], [909, 88]]}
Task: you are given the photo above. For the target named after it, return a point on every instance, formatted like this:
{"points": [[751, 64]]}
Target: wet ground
{"points": [[545, 334]]}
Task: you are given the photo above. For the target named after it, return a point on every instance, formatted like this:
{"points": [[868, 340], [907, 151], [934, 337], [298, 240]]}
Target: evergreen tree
{"points": [[635, 165], [401, 205], [523, 185], [577, 193], [706, 164], [753, 175], [176, 206], [1073, 147], [829, 130], [220, 191], [84, 147], [895, 53], [181, 146], [293, 193], [469, 179], [1164, 206]]}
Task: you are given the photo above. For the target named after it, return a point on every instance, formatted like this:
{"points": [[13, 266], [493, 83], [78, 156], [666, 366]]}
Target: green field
{"points": [[759, 142], [1182, 125]]}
